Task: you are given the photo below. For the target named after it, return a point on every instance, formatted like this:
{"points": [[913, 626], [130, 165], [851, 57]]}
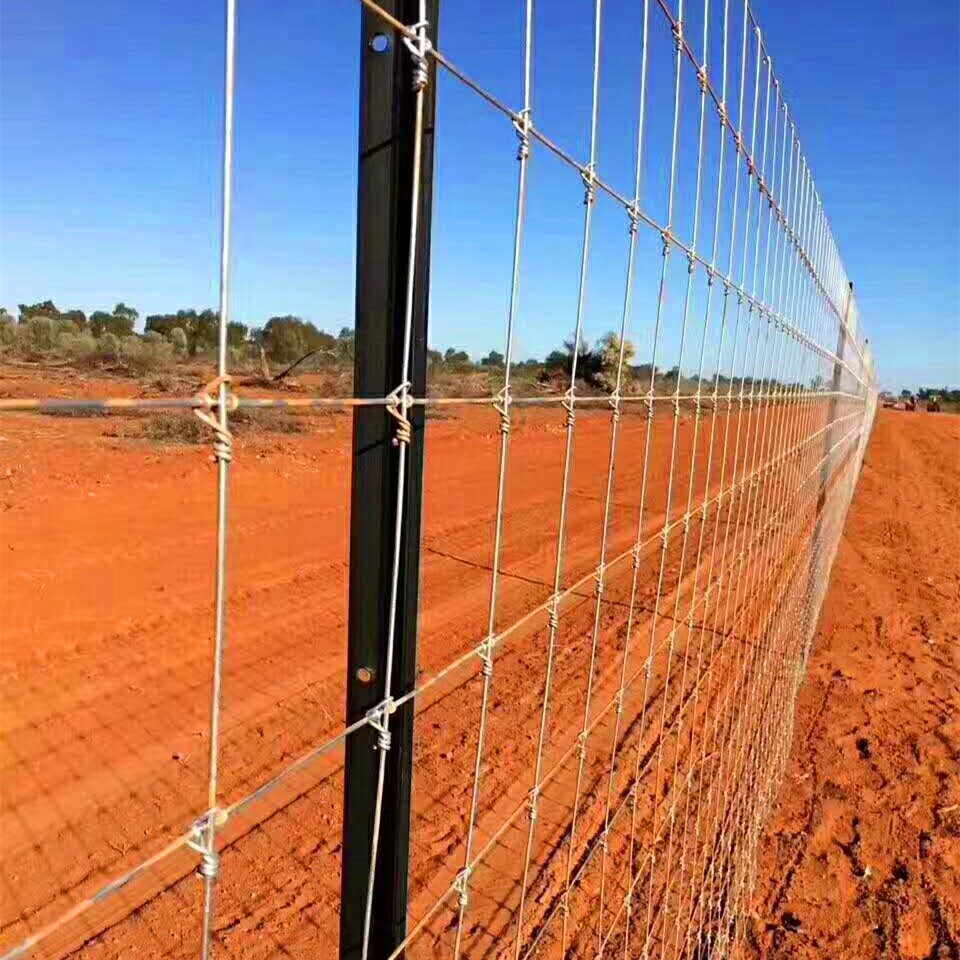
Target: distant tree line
{"points": [[43, 331]]}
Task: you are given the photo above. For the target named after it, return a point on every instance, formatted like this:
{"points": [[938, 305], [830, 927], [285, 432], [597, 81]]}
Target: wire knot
{"points": [[502, 405], [598, 576], [553, 615], [702, 79], [614, 401], [378, 718], [398, 402], [569, 399], [521, 123], [462, 886], [209, 396], [485, 653], [633, 215], [202, 841], [589, 177], [677, 29], [418, 51], [666, 235], [532, 802]]}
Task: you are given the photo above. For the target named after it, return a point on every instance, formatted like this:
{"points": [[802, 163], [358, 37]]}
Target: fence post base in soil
{"points": [[386, 158]]}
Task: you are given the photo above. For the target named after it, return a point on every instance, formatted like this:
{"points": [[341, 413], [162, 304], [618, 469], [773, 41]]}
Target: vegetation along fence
{"points": [[621, 723]]}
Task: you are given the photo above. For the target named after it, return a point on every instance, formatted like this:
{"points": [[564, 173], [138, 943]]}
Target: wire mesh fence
{"points": [[622, 714]]}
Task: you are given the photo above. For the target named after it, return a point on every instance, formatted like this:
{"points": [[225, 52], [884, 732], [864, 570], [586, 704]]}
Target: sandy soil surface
{"points": [[862, 856], [107, 575]]}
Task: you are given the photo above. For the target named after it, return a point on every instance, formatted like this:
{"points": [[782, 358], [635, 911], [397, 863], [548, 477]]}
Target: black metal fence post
{"points": [[386, 156]]}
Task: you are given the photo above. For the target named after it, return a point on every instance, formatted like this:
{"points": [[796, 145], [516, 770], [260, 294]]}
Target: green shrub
{"points": [[38, 335], [141, 354], [178, 338], [77, 346]]}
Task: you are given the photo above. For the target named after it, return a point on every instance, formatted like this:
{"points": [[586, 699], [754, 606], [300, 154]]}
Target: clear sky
{"points": [[110, 116]]}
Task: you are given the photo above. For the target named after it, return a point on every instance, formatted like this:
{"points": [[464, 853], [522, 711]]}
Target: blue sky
{"points": [[110, 118]]}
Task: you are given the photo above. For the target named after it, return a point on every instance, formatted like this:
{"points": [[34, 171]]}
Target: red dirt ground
{"points": [[862, 856], [105, 593]]}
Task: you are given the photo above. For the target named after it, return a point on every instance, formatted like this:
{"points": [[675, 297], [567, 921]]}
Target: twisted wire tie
{"points": [[633, 215], [418, 51], [636, 556], [461, 885], [618, 701], [677, 29], [398, 402], [569, 398], [521, 123], [485, 653], [666, 235], [702, 79], [201, 841], [648, 403], [209, 396], [502, 406], [711, 274], [377, 718], [553, 616], [582, 744], [722, 113], [532, 799], [598, 577], [614, 401], [588, 175], [738, 142]]}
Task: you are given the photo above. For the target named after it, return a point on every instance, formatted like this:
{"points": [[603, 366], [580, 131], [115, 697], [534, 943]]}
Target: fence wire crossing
{"points": [[657, 752]]}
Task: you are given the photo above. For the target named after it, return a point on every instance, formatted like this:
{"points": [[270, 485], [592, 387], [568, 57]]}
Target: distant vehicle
{"points": [[933, 403], [910, 403]]}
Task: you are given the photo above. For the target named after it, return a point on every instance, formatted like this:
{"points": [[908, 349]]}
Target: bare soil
{"points": [[861, 858], [106, 549]]}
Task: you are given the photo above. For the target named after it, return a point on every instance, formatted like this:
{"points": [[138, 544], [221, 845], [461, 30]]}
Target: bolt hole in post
{"points": [[380, 43]]}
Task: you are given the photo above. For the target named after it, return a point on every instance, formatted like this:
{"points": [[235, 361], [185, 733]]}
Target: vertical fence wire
{"points": [[590, 195], [487, 651], [207, 838]]}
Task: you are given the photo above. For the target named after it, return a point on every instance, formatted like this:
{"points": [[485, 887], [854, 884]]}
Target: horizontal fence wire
{"points": [[658, 787]]}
